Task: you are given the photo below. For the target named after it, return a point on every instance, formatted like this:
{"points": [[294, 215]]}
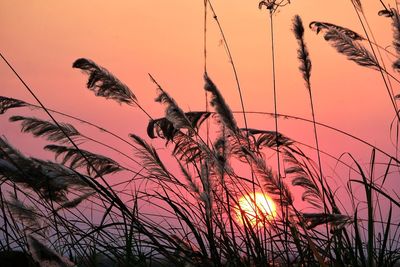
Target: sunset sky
{"points": [[165, 38]]}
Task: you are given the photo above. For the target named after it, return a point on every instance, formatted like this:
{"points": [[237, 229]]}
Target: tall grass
{"points": [[184, 208]]}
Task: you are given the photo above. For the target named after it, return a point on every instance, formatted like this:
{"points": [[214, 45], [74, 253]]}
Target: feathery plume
{"points": [[301, 176], [269, 139], [173, 112], [6, 103], [206, 195], [222, 152], [103, 83], [76, 201], [8, 152], [46, 129], [302, 52], [350, 48], [54, 180], [95, 164], [314, 219], [192, 184], [272, 184], [27, 215], [221, 107], [273, 5], [50, 179], [150, 159], [45, 256], [188, 149]]}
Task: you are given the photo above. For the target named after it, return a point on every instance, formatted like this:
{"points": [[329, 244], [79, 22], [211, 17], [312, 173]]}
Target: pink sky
{"points": [[165, 38]]}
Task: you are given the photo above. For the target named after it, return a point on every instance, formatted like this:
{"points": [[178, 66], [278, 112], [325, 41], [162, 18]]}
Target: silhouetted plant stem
{"points": [[205, 35], [319, 157], [205, 66], [381, 70], [374, 42], [386, 72], [283, 211], [230, 61], [384, 6]]}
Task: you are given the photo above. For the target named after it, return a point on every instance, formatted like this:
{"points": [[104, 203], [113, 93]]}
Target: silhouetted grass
{"points": [[87, 209]]}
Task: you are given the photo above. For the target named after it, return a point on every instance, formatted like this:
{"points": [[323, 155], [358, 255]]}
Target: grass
{"points": [[181, 208]]}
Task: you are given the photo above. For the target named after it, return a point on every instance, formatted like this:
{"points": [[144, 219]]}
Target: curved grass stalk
{"points": [[380, 68], [272, 7], [230, 61]]}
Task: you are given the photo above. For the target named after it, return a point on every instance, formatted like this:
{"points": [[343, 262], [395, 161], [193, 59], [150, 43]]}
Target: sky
{"points": [[42, 39]]}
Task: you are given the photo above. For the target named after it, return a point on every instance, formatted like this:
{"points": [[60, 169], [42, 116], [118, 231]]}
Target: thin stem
{"points": [[231, 61], [205, 36], [321, 177], [381, 70], [205, 65], [284, 212], [383, 4], [275, 94]]}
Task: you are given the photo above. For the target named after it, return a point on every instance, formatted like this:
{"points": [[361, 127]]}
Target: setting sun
{"points": [[257, 208]]}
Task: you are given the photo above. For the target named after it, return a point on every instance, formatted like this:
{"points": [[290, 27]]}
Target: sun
{"points": [[257, 208]]}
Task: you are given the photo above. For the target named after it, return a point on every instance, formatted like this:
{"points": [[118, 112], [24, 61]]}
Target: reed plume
{"points": [[45, 256], [95, 164], [351, 48], [221, 107], [302, 52], [173, 112], [103, 83], [6, 103], [302, 175], [187, 148], [76, 201], [47, 129], [273, 185], [314, 219], [268, 139], [31, 219], [150, 159], [49, 179]]}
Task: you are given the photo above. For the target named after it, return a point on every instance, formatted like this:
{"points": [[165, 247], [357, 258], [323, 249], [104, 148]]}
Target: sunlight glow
{"points": [[258, 209]]}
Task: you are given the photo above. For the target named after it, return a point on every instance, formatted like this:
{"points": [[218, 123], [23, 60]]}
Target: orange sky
{"points": [[165, 38]]}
